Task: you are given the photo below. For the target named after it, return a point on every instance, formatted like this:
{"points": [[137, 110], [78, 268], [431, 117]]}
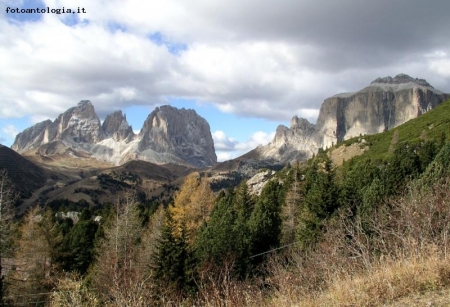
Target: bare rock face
{"points": [[299, 142], [168, 135], [258, 181], [116, 126], [182, 133], [31, 137], [384, 104], [77, 127], [387, 103]]}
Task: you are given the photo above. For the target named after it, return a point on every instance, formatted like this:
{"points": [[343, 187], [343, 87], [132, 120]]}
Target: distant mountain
{"points": [[169, 135], [386, 103]]}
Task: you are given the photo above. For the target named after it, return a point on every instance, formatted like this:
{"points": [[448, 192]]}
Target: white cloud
{"points": [[228, 148], [10, 131], [250, 58], [223, 142]]}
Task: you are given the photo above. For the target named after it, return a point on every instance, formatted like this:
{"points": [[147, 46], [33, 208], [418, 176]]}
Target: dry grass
{"points": [[386, 283], [398, 257], [404, 258]]}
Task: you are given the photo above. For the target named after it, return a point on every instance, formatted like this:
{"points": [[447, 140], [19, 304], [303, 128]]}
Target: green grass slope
{"points": [[434, 124]]}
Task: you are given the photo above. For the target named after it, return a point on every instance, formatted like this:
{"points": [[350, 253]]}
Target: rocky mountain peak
{"points": [[84, 109], [168, 129], [401, 79], [300, 123], [79, 124], [168, 135], [385, 104], [117, 127]]}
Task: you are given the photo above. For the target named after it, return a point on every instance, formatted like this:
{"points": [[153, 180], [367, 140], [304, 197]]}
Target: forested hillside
{"points": [[369, 232]]}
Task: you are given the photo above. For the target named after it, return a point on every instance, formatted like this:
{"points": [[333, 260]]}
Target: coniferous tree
{"points": [[216, 239], [172, 256], [36, 253], [356, 180], [78, 244], [321, 201], [265, 221], [117, 271], [243, 205], [322, 194]]}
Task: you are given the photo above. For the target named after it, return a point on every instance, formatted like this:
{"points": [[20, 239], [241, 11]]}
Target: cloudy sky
{"points": [[245, 65]]}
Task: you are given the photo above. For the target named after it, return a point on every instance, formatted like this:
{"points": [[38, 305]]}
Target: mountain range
{"points": [[169, 135], [384, 104], [180, 136]]}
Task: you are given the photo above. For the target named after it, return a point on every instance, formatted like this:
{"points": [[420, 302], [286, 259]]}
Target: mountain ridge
{"points": [[384, 104], [168, 135]]}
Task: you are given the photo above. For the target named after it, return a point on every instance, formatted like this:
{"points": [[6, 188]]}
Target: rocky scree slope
{"points": [[169, 135], [386, 103]]}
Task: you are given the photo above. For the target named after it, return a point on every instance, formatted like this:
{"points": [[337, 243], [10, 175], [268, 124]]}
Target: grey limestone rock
{"points": [[77, 126], [386, 103], [180, 132], [116, 126], [169, 135]]}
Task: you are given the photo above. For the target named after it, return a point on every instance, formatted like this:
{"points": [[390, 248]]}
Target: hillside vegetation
{"points": [[372, 232]]}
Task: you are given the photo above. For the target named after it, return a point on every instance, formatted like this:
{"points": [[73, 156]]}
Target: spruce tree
{"points": [[172, 255], [265, 221]]}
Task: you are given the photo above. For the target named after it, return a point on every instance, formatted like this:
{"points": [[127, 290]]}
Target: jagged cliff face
{"points": [[182, 132], [385, 104], [117, 127], [299, 142], [79, 126], [168, 135]]}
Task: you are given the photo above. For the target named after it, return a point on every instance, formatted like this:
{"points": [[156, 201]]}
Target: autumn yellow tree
{"points": [[192, 204]]}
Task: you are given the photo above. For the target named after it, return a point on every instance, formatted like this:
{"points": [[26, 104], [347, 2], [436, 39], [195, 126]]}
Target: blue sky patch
{"points": [[173, 47]]}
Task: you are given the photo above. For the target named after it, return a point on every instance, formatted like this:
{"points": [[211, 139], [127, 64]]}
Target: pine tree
{"points": [[322, 194], [172, 256], [78, 244], [265, 221], [216, 239]]}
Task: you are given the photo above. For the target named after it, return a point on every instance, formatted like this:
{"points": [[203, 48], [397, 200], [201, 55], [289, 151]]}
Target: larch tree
{"points": [[290, 209], [192, 205], [117, 272], [34, 257]]}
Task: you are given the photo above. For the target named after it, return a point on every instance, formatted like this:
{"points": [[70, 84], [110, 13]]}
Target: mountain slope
{"points": [[25, 175]]}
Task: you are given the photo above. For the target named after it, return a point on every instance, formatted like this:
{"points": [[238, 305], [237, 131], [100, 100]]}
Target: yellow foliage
{"points": [[193, 204]]}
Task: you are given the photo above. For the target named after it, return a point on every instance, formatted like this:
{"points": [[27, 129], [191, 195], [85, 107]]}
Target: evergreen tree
{"points": [[216, 239], [321, 201], [356, 180], [265, 221], [172, 255], [403, 165], [322, 191], [78, 244]]}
